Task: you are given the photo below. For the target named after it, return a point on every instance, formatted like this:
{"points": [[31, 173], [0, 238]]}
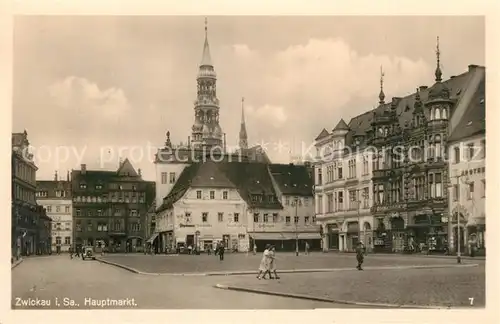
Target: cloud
{"points": [[84, 97]]}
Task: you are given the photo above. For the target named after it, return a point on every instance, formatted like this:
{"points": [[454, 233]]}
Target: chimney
{"points": [[472, 67], [421, 88], [67, 176], [189, 141], [84, 168], [140, 172]]}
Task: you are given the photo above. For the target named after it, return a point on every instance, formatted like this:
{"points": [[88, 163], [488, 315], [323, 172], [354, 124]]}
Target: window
{"points": [[136, 227], [198, 194], [470, 151], [275, 217], [287, 220], [432, 186], [58, 209], [98, 187], [83, 186], [380, 192], [89, 226], [456, 192], [187, 217], [220, 217], [352, 199], [49, 209], [437, 145], [320, 176], [204, 217], [224, 195], [352, 168], [78, 212], [484, 188], [256, 217], [58, 193], [320, 204], [118, 226], [133, 213], [456, 151], [366, 197], [67, 240], [99, 212], [296, 220], [164, 177], [78, 227], [236, 217], [329, 198], [365, 165], [172, 177], [306, 201], [212, 194], [266, 218], [89, 213], [66, 209], [471, 190], [306, 220], [439, 185], [58, 240], [314, 220], [118, 212], [287, 201], [340, 199]]}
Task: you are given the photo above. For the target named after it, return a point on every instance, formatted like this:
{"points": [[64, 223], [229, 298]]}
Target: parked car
{"points": [[88, 253]]}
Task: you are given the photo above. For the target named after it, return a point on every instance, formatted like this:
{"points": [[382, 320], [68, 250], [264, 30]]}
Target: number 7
{"points": [[471, 299]]}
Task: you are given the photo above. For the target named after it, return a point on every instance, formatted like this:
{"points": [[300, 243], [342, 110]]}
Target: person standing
{"points": [[272, 263], [307, 248], [264, 264], [70, 250], [254, 249], [221, 252], [360, 255]]}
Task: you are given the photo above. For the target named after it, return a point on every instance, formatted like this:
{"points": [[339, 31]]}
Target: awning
{"points": [[272, 236], [309, 236], [152, 238]]}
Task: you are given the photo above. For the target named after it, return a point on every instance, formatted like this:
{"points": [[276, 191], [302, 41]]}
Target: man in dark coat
{"points": [[221, 251], [360, 250]]}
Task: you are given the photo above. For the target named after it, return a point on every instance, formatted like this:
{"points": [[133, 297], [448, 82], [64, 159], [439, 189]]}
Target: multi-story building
{"points": [[55, 197], [467, 154], [111, 207], [30, 224], [343, 187], [296, 224]]}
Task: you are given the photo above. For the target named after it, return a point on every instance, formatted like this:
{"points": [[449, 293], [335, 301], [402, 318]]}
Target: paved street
{"points": [[288, 261], [48, 278]]}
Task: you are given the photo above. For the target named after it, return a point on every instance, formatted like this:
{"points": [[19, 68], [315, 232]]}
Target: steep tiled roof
{"points": [[248, 178], [91, 177], [292, 179], [126, 169], [257, 154], [474, 120], [341, 126], [360, 124], [324, 133], [51, 186]]}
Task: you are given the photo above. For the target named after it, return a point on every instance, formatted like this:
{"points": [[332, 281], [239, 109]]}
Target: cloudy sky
{"points": [[83, 84]]}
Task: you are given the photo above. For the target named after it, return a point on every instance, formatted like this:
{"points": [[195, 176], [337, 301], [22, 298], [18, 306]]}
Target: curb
{"points": [[252, 272], [15, 264], [326, 300]]}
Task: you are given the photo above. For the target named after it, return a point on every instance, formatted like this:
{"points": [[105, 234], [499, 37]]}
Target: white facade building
{"points": [[343, 186], [55, 197], [467, 157]]}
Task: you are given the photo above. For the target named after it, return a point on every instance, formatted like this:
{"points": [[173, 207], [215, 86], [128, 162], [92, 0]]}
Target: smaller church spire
{"points": [[206, 59], [243, 142], [381, 95], [438, 72]]}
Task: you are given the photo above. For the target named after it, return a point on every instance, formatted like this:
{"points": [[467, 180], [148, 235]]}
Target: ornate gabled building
{"points": [[111, 207], [410, 172], [343, 185]]}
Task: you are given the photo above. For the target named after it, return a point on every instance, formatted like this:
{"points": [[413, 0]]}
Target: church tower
{"points": [[206, 131], [243, 142]]}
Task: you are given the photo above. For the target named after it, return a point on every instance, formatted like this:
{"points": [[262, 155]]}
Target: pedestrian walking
{"points": [[209, 249], [360, 255], [264, 264], [70, 250], [272, 263], [254, 249], [221, 252], [307, 248]]}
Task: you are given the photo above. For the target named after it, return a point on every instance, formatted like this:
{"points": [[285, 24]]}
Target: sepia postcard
{"points": [[248, 162]]}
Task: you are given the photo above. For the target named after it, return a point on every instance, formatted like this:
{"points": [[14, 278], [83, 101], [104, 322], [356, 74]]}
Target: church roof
{"points": [[206, 59]]}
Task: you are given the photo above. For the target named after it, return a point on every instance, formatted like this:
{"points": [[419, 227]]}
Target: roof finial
{"points": [[206, 27], [381, 95], [438, 73], [242, 110]]}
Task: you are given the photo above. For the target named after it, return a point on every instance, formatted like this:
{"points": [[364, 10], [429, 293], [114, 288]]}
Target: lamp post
{"points": [[465, 181]]}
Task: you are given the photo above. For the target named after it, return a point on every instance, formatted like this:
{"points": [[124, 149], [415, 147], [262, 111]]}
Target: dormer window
{"points": [[98, 187], [83, 186]]}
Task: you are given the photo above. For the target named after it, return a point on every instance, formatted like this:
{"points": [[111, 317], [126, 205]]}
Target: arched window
{"points": [[444, 114], [386, 131], [438, 113], [437, 145]]}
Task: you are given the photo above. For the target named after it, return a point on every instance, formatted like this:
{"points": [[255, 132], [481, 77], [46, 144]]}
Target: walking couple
{"points": [[268, 263]]}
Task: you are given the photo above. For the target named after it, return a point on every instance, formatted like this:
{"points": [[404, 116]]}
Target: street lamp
{"points": [[465, 181]]}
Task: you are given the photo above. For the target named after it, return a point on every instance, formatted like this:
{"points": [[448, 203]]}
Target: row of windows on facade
{"points": [[57, 226], [25, 172], [45, 193], [167, 177], [58, 240], [469, 190], [103, 227], [111, 186], [335, 200], [102, 212], [335, 171], [266, 218], [23, 194], [470, 152], [114, 198], [58, 209]]}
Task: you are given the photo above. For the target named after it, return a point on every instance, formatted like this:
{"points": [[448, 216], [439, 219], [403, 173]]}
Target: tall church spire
{"points": [[243, 143], [438, 72], [381, 95], [206, 59]]}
